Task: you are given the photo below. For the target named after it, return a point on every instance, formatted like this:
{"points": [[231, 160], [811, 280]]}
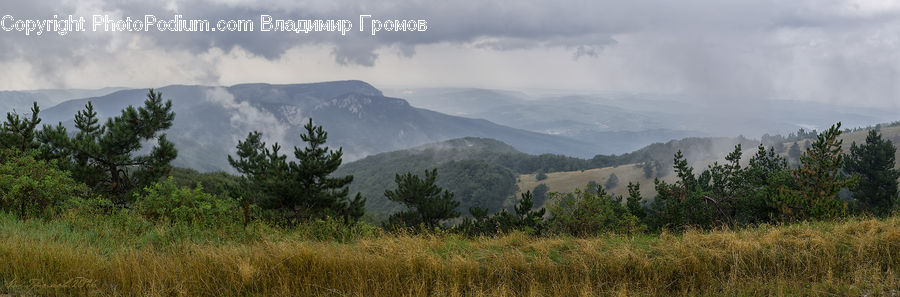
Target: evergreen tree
{"points": [[524, 219], [302, 189], [634, 201], [817, 181], [766, 173], [18, 132], [427, 204], [684, 203], [104, 156], [874, 163]]}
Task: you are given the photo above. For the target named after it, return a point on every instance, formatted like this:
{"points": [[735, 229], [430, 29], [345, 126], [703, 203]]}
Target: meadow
{"points": [[125, 255]]}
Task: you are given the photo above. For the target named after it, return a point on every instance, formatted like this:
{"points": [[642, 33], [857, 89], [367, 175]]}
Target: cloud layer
{"points": [[834, 50]]}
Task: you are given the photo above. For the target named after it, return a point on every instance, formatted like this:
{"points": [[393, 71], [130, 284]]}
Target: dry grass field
{"points": [[68, 257]]}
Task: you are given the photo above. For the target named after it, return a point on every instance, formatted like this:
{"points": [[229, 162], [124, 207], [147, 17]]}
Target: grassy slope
{"points": [[569, 180], [69, 257]]}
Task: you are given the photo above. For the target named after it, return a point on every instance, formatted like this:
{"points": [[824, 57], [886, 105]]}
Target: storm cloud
{"points": [[844, 51]]}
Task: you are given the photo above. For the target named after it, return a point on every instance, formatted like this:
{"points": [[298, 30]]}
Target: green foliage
{"points": [[541, 175], [18, 132], [489, 158], [31, 187], [874, 163], [105, 156], [89, 206], [634, 202], [586, 213], [302, 190], [524, 219], [816, 182], [216, 183], [476, 183], [167, 202], [764, 176], [427, 204], [682, 204], [722, 195]]}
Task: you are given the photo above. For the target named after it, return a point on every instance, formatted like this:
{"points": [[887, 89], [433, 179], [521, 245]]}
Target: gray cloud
{"points": [[834, 50]]}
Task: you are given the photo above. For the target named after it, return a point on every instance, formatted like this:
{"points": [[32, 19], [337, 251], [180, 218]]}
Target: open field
{"points": [[69, 256], [568, 181]]}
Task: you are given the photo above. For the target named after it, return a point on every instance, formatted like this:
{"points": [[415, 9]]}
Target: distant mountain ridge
{"points": [[358, 117], [618, 123]]}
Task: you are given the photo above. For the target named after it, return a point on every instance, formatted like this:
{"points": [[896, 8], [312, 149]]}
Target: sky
{"points": [[833, 51]]}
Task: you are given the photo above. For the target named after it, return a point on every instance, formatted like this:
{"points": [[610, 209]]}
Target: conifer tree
{"points": [[633, 201], [874, 163], [818, 181], [302, 189], [105, 156], [18, 132], [427, 204]]}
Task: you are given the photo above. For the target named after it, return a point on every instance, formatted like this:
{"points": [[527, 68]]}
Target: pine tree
{"points": [[104, 156], [874, 163], [527, 218], [817, 181], [427, 204], [765, 174], [18, 132], [633, 201], [303, 189]]}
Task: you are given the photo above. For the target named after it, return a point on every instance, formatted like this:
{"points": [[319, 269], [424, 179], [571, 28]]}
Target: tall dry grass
{"points": [[857, 257]]}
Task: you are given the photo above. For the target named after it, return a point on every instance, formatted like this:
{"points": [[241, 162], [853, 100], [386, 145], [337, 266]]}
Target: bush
{"points": [[30, 187], [585, 213], [523, 219], [165, 201], [540, 175]]}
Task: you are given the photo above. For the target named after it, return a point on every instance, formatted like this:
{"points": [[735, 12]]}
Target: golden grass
{"points": [[858, 257]]}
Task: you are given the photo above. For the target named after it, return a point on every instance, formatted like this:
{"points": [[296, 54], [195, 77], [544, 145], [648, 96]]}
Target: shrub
{"points": [[584, 213], [524, 219], [30, 187], [165, 201]]}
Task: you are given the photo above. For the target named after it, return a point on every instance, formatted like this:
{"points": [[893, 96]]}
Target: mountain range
{"points": [[618, 123], [209, 120]]}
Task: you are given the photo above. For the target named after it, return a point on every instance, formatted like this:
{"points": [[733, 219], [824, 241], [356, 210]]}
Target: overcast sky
{"points": [[835, 51]]}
